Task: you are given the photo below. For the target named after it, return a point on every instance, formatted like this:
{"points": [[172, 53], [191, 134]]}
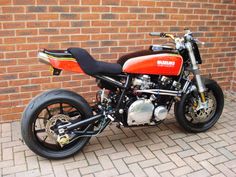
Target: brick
{"points": [[209, 167], [202, 156], [121, 166], [133, 159], [181, 171], [217, 160], [165, 166], [177, 160], [136, 170], [151, 172], [119, 155], [226, 171], [90, 169], [109, 172], [199, 173], [14, 169], [192, 163], [92, 159], [149, 163]]}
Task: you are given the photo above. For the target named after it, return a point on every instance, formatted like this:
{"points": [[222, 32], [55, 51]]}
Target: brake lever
{"points": [[199, 42]]}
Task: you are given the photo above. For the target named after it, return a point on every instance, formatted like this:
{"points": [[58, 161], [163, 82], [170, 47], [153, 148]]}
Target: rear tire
{"points": [[31, 115], [180, 110]]}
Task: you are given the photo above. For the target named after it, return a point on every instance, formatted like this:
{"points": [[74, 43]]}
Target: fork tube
{"points": [[196, 72]]}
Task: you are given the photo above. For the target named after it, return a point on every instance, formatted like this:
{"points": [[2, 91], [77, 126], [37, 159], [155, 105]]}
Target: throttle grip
{"points": [[157, 34]]}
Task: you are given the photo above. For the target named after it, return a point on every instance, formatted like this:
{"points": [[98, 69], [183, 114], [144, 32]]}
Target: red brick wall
{"points": [[108, 29]]}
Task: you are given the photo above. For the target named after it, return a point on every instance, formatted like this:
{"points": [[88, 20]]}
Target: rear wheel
{"points": [[42, 117], [194, 119]]}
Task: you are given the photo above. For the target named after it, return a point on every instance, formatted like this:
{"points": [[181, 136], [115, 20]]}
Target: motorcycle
{"points": [[138, 90]]}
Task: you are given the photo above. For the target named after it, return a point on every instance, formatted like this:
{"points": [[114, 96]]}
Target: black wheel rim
{"points": [[190, 119], [48, 112]]}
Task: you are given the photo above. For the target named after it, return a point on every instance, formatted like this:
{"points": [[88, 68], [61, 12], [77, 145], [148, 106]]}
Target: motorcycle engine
{"points": [[145, 110]]}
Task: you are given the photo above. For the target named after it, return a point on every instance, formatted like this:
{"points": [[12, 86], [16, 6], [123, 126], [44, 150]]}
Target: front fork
{"points": [[196, 72]]}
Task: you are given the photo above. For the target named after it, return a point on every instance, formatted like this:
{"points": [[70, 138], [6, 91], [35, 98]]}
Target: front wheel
{"points": [[194, 119], [44, 114]]}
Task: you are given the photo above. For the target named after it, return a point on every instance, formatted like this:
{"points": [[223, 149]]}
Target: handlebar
{"points": [[155, 34], [162, 34]]}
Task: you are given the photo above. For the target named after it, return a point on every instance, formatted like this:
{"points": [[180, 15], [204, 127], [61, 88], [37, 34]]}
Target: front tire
{"points": [[43, 109], [188, 121]]}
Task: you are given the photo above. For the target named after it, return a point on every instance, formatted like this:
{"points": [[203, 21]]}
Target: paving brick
{"points": [[73, 173], [205, 141], [181, 171], [126, 175], [231, 163], [217, 160], [13, 169], [211, 150], [91, 158], [108, 173], [149, 163], [132, 149], [166, 174], [161, 156], [209, 167], [146, 153], [142, 136], [32, 162], [90, 169], [132, 159], [19, 158], [171, 150], [177, 160], [105, 162], [59, 171], [227, 153], [197, 147], [182, 144], [187, 153], [151, 172], [31, 173], [119, 155], [157, 146], [7, 154], [202, 173], [76, 164], [226, 171], [165, 167], [219, 144], [192, 163], [143, 143], [202, 156], [118, 146], [105, 151], [121, 166], [136, 170], [168, 141], [154, 138], [104, 142], [45, 167], [7, 163]]}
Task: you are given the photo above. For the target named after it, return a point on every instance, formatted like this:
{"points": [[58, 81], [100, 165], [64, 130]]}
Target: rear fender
{"points": [[59, 63]]}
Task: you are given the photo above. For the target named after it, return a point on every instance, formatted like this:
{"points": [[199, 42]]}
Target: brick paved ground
{"points": [[162, 151]]}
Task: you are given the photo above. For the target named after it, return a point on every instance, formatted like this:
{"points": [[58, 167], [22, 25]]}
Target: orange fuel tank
{"points": [[158, 64]]}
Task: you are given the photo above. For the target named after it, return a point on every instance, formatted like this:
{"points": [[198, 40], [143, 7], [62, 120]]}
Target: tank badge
{"points": [[165, 63]]}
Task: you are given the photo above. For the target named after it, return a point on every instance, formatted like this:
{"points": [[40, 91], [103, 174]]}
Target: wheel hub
{"points": [[54, 122], [204, 114]]}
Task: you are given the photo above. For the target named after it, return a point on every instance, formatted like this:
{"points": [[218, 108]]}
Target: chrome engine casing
{"points": [[140, 112], [160, 113]]}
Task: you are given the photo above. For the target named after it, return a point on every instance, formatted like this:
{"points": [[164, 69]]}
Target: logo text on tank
{"points": [[165, 63]]}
